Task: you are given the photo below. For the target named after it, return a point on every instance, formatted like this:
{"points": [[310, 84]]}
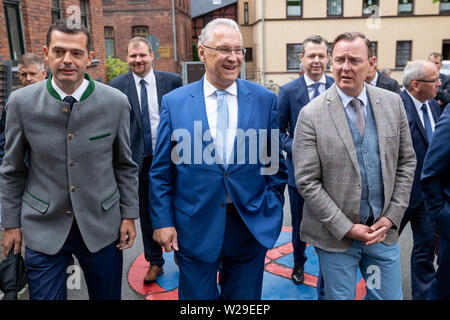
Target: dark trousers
{"points": [[440, 286], [299, 246], [422, 255], [152, 250], [47, 274], [241, 270]]}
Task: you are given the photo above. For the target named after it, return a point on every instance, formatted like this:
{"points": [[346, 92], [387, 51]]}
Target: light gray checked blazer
{"points": [[327, 173], [79, 166]]}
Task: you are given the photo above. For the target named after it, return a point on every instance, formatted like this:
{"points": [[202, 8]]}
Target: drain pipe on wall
{"points": [[175, 54]]}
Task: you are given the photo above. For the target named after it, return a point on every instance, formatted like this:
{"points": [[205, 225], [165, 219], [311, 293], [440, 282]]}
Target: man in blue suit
{"points": [[144, 81], [421, 80], [218, 174], [436, 189], [292, 97]]}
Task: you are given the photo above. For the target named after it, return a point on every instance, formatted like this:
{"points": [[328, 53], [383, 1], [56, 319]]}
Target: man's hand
{"points": [[166, 237], [12, 237], [365, 234], [127, 234], [382, 223]]}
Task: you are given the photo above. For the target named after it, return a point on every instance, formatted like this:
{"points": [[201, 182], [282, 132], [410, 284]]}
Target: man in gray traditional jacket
{"points": [[79, 195]]}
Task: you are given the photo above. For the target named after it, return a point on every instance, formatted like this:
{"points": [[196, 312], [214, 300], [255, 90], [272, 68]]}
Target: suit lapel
{"points": [[160, 86], [337, 114], [411, 109], [303, 96], [198, 108], [133, 98], [245, 106], [434, 109]]}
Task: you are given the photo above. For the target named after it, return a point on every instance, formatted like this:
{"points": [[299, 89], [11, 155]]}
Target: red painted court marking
{"points": [[168, 295], [137, 272]]}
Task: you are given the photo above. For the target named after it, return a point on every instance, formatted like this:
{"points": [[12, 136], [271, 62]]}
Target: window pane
{"points": [[444, 6], [140, 31], [403, 53], [334, 7], [294, 8], [405, 6], [293, 59], [14, 31], [55, 3], [367, 4], [110, 48]]}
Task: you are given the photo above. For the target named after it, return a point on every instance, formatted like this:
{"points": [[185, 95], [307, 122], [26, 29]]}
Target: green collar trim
{"points": [[85, 95]]}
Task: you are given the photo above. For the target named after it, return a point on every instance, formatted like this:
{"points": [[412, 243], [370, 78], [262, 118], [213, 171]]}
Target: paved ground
{"points": [[131, 254]]}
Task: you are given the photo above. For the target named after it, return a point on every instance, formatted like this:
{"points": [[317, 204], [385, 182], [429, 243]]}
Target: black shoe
{"points": [[297, 275]]}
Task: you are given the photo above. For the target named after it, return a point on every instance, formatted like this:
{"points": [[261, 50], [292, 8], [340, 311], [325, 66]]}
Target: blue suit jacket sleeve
{"points": [[435, 168], [283, 121]]}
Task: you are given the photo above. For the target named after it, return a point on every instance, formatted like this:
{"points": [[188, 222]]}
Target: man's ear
{"points": [[201, 53], [45, 49]]}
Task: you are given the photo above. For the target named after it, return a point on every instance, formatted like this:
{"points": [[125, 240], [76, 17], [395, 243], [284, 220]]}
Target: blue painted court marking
{"points": [[311, 264], [279, 288]]}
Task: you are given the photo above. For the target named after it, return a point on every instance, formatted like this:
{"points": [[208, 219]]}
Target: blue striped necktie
{"points": [[316, 86]]}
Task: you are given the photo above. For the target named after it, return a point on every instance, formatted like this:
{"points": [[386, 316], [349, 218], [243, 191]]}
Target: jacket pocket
{"points": [[183, 206], [111, 200], [102, 136], [35, 203]]}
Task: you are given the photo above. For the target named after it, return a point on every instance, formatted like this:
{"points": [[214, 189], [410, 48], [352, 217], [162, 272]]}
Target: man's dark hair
{"points": [[350, 36], [436, 55], [313, 39], [66, 26]]}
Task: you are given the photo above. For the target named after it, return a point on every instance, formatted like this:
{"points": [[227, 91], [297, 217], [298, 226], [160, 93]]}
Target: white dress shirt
{"points": [[209, 92], [152, 98], [77, 94], [418, 106], [375, 79], [309, 83]]}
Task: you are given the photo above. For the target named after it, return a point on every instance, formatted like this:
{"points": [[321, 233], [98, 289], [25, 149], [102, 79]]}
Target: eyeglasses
{"points": [[227, 50], [352, 61], [432, 80]]}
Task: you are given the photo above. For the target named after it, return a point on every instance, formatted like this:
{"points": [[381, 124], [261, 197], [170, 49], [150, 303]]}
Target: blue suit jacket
{"points": [[165, 82], [436, 175], [419, 141], [191, 195], [292, 97]]}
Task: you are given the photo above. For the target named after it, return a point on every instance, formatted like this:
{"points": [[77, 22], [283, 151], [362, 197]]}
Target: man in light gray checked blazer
{"points": [[79, 194], [354, 165]]}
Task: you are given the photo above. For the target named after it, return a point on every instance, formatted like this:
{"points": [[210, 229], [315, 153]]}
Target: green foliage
{"points": [[115, 67], [195, 52]]}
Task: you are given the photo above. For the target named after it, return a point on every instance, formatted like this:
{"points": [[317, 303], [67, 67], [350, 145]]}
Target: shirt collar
{"points": [[346, 99], [416, 102], [149, 78], [209, 89], [375, 79], [310, 82], [77, 94]]}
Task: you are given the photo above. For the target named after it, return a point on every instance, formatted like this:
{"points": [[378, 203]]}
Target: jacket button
{"points": [[70, 136], [65, 110], [69, 213], [71, 163], [222, 204], [355, 212], [226, 175], [73, 189], [358, 186]]}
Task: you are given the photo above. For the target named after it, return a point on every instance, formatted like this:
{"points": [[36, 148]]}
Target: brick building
{"points": [[24, 25], [125, 19]]}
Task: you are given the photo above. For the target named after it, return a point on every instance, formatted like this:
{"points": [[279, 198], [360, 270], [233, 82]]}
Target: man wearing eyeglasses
{"points": [[227, 211], [421, 82], [354, 166]]}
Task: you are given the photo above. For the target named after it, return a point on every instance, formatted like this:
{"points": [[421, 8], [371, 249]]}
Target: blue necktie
{"points": [[70, 100], [316, 86], [146, 120], [222, 125], [427, 122]]}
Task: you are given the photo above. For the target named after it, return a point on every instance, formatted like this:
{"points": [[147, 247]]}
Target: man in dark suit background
{"points": [[436, 190], [292, 97], [443, 95], [380, 80], [421, 81], [144, 81]]}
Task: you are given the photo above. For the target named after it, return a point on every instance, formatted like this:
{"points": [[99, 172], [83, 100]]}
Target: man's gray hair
{"points": [[29, 59], [413, 71], [204, 35]]}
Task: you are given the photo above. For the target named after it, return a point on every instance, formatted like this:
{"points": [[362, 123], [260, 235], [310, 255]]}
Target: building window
{"points": [[334, 7], [375, 48], [405, 6], [137, 1], [249, 55], [403, 53], [444, 6], [368, 7], [84, 13], [14, 29], [139, 31], [294, 8], [109, 42], [293, 59], [56, 10], [245, 12]]}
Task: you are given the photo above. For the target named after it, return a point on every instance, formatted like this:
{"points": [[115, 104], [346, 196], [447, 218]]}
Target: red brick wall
{"points": [[4, 45], [198, 23], [157, 15]]}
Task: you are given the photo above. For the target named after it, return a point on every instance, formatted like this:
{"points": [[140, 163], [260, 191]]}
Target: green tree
{"points": [[115, 67]]}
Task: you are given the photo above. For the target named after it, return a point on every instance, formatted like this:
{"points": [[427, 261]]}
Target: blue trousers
{"points": [[379, 265], [241, 268], [296, 202], [47, 274], [422, 255]]}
